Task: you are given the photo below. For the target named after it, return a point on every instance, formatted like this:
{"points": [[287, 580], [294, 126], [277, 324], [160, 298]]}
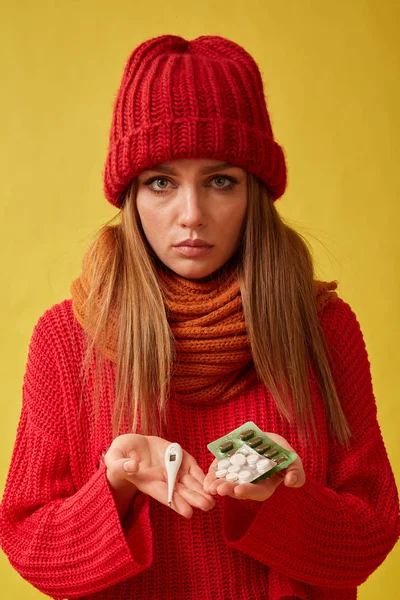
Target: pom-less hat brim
{"points": [[161, 142]]}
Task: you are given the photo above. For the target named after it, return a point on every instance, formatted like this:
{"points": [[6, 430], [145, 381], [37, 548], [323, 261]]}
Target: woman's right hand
{"points": [[137, 462]]}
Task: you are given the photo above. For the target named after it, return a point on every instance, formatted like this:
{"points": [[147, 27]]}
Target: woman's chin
{"points": [[195, 271]]}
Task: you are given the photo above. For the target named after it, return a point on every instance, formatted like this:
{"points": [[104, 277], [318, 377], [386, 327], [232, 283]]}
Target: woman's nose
{"points": [[191, 210]]}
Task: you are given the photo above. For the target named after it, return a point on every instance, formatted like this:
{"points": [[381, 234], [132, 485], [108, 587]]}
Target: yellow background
{"points": [[331, 71]]}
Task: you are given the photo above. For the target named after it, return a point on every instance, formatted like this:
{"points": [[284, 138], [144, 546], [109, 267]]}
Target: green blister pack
{"points": [[248, 455]]}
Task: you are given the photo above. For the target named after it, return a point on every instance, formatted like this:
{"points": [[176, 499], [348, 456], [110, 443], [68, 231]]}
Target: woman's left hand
{"points": [[292, 476]]}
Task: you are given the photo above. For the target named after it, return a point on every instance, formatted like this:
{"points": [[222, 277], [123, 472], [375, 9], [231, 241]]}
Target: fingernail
{"points": [[129, 466], [293, 479]]}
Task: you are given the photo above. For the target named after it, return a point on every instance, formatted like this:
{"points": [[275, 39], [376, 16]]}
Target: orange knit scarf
{"points": [[213, 360]]}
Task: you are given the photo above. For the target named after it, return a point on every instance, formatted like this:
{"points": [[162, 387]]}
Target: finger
{"points": [[181, 506], [113, 454], [159, 491], [194, 498], [116, 453], [130, 466], [257, 491], [214, 484], [196, 472], [295, 476], [121, 470], [124, 467], [192, 484], [210, 478], [223, 487], [252, 491]]}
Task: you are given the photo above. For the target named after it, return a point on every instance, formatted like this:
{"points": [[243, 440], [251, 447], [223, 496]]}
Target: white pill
{"points": [[252, 459], [234, 469], [245, 475], [221, 473], [238, 459], [264, 465], [224, 463], [231, 477]]}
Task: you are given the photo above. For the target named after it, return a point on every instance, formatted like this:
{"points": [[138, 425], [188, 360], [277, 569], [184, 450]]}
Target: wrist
{"points": [[123, 493]]}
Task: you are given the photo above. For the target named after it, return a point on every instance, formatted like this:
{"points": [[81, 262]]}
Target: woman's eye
{"points": [[224, 183], [162, 184], [158, 185], [219, 180]]}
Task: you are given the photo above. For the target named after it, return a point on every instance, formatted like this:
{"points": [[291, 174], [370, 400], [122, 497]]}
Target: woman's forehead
{"points": [[204, 166]]}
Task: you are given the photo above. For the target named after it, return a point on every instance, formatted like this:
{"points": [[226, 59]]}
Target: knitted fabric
{"points": [[213, 356], [213, 360], [60, 527], [202, 98]]}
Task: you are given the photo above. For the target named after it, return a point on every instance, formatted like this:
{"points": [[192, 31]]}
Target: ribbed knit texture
{"points": [[202, 98], [213, 356], [60, 528]]}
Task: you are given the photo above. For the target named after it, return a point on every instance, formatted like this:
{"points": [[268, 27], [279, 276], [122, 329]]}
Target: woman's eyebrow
{"points": [[169, 171]]}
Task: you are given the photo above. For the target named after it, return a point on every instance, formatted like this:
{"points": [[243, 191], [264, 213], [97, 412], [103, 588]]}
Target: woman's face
{"points": [[192, 212]]}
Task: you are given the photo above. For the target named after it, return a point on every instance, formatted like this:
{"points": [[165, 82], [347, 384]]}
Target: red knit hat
{"points": [[202, 98]]}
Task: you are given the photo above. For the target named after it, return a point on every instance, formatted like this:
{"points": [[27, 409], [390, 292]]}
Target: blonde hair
{"points": [[275, 272]]}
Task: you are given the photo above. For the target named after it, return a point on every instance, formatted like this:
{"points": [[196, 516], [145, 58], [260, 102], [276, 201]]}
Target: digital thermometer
{"points": [[173, 460]]}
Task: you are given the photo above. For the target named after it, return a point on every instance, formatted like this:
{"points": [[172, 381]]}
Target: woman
{"points": [[194, 314]]}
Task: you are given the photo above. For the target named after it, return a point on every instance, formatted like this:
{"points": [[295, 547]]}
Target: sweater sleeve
{"points": [[332, 534], [66, 542]]}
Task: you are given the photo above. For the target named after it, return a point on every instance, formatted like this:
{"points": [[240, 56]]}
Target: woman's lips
{"points": [[193, 248]]}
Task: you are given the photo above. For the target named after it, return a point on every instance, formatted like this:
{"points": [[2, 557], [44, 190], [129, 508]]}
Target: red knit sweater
{"points": [[61, 531]]}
